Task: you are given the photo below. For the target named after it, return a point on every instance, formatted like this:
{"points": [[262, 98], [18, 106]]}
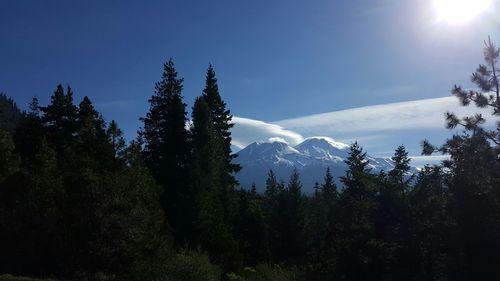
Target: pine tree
{"points": [[401, 166], [221, 118], [79, 212], [321, 229], [474, 174], [330, 197], [271, 186], [91, 140], [358, 248], [487, 95], [30, 208], [431, 225], [29, 132], [392, 218], [9, 160], [293, 221], [205, 173], [164, 137], [10, 114], [119, 226], [222, 122], [135, 241], [275, 208], [329, 188], [251, 229], [116, 139], [59, 118], [253, 189], [89, 123], [474, 183], [357, 168]]}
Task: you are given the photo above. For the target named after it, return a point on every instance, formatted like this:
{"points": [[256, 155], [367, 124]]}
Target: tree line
{"points": [[79, 203]]}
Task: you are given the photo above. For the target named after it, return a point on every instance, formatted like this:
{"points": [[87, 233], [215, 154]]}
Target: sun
{"points": [[460, 11]]}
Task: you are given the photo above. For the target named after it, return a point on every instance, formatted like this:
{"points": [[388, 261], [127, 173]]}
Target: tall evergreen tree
{"points": [[79, 212], [475, 183], [135, 240], [293, 221], [401, 165], [59, 118], [358, 247], [330, 197], [272, 186], [357, 168], [322, 229], [329, 187], [205, 188], [164, 137], [474, 167], [33, 239], [275, 207], [487, 95], [392, 218], [91, 139], [431, 225], [222, 123], [221, 119], [29, 132], [115, 136], [251, 228]]}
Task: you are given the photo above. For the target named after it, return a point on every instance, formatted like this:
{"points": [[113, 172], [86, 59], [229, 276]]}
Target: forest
{"points": [[79, 203]]}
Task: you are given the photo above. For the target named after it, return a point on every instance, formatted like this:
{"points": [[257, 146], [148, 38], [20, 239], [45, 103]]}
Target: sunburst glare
{"points": [[460, 11]]}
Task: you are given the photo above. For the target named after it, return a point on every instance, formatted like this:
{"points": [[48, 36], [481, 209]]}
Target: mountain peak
{"points": [[269, 152], [323, 148], [323, 141], [311, 157]]}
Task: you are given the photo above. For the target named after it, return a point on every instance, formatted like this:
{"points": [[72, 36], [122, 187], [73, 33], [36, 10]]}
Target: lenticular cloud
{"points": [[246, 131]]}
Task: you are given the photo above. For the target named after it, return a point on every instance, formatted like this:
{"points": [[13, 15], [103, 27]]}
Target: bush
{"points": [[191, 266], [266, 272], [234, 277]]}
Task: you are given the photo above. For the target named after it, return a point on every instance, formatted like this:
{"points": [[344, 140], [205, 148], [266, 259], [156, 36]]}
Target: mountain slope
{"points": [[311, 158]]}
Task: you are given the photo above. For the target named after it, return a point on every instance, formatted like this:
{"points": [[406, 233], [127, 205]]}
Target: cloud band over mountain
{"points": [[248, 130], [410, 115], [379, 128]]}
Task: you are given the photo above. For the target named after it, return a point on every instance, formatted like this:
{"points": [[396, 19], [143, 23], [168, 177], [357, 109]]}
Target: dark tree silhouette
{"points": [[165, 142]]}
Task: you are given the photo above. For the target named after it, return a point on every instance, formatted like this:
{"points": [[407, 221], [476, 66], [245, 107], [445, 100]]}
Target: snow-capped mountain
{"points": [[311, 158], [324, 148]]}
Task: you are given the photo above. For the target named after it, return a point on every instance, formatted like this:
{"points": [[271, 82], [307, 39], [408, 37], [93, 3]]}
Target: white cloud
{"points": [[411, 115], [246, 131], [379, 128], [334, 143], [277, 139], [422, 160]]}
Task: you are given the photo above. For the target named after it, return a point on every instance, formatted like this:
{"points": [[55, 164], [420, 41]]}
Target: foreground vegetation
{"points": [[78, 203]]}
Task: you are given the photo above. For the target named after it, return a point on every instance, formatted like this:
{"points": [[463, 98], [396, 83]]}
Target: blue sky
{"points": [[275, 60]]}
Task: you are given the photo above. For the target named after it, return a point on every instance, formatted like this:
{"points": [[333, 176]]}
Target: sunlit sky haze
{"points": [[275, 60]]}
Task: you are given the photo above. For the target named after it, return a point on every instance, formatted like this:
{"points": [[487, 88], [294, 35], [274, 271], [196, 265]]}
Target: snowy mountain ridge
{"points": [[311, 158]]}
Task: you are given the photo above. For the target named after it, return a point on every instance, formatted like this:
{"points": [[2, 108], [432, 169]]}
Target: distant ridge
{"points": [[311, 158]]}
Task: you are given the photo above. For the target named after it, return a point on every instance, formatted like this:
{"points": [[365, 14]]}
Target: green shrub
{"points": [[98, 276], [266, 272], [191, 266], [234, 277]]}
